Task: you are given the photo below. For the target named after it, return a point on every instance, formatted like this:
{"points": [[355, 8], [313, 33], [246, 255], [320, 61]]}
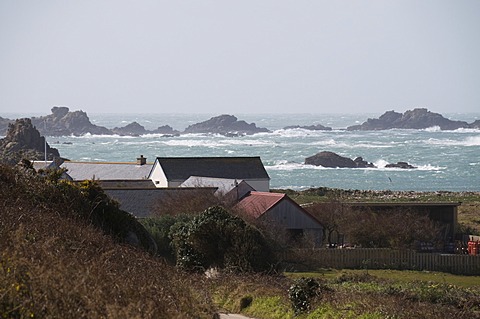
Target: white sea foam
{"points": [[467, 130], [283, 165], [433, 129], [381, 165], [468, 141], [216, 143]]}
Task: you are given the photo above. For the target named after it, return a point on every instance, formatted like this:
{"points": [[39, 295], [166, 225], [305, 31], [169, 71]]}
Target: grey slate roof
{"points": [[106, 170], [181, 168], [43, 165], [142, 202], [224, 186]]}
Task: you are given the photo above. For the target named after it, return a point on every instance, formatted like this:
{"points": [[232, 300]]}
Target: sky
{"points": [[249, 56]]}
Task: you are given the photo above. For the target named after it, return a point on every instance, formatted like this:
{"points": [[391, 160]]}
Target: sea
{"points": [[444, 160]]}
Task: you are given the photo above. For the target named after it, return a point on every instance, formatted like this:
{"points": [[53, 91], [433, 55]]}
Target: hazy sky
{"points": [[243, 56]]}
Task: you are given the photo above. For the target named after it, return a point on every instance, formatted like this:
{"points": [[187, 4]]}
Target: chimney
{"points": [[141, 160]]}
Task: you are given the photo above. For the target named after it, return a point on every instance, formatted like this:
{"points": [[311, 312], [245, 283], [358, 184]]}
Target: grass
{"points": [[396, 275], [356, 294]]}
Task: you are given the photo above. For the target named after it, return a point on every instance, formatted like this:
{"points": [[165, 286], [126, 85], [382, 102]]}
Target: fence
{"points": [[371, 258]]}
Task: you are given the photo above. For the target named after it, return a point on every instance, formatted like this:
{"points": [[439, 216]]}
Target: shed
{"points": [[173, 171], [281, 210]]}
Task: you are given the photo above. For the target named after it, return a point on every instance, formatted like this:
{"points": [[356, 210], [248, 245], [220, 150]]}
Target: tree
{"points": [[330, 215]]}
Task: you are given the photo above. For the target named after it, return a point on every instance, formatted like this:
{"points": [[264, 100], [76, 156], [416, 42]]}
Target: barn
{"points": [[279, 210]]}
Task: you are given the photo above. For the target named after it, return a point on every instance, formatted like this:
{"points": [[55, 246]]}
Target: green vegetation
{"points": [[211, 239], [346, 295], [216, 238], [396, 275]]}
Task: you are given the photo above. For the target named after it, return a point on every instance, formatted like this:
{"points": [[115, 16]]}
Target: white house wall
{"points": [[158, 176]]}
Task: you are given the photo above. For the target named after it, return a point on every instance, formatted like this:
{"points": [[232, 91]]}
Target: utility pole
{"points": [[45, 139]]}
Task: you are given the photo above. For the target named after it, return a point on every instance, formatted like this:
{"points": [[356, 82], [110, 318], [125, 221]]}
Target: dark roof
{"points": [[181, 168]]}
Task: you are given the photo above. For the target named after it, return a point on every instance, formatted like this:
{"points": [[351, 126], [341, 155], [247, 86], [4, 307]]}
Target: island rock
{"points": [[419, 118], [132, 129], [225, 125], [331, 159], [167, 130], [403, 165], [63, 122], [475, 125]]}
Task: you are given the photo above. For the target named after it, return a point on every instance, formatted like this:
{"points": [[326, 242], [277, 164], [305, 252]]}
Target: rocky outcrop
{"points": [[333, 160], [475, 125], [415, 119], [63, 122], [403, 165], [135, 129], [132, 129], [23, 140], [167, 130], [317, 127], [225, 125]]}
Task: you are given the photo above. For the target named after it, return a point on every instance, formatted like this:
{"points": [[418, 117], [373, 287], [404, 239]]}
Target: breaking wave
{"points": [[469, 141]]}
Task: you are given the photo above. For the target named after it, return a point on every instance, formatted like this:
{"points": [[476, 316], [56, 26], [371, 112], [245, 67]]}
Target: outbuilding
{"points": [[278, 210]]}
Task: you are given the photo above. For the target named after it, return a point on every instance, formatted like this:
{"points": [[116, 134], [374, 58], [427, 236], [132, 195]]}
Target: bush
{"points": [[301, 293], [215, 238], [159, 228]]}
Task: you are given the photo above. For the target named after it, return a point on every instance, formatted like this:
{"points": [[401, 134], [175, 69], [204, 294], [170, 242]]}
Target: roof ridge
{"points": [[80, 162], [205, 157]]}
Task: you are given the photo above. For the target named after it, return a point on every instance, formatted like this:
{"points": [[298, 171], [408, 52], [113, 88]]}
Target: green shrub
{"points": [[215, 238], [301, 293], [159, 229]]}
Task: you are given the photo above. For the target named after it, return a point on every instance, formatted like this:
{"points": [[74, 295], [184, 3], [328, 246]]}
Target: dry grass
{"points": [[53, 265]]}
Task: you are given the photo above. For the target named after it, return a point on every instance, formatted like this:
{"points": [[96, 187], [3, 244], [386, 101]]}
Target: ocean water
{"points": [[445, 160]]}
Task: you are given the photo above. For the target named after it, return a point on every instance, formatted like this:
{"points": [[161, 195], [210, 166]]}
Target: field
{"points": [[353, 294]]}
